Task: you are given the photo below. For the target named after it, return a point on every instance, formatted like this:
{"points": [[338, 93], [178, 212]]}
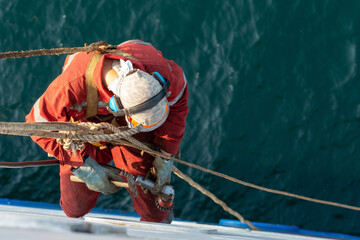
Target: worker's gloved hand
{"points": [[163, 169], [96, 177]]}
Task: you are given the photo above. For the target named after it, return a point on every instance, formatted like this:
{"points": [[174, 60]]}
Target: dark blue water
{"points": [[274, 98]]}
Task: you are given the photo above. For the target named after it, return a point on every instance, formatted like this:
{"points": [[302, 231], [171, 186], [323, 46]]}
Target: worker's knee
{"points": [[72, 214], [74, 211], [76, 199]]}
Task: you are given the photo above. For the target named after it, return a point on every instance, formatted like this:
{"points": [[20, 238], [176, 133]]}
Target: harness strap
{"points": [[92, 94], [123, 54]]}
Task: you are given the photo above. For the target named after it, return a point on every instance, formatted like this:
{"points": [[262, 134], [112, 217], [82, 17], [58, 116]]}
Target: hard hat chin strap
{"points": [[117, 109]]}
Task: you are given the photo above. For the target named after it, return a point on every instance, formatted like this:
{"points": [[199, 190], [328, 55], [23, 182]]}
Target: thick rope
{"points": [[103, 137], [126, 134], [101, 125], [102, 47], [82, 131], [98, 46], [45, 126], [31, 129]]}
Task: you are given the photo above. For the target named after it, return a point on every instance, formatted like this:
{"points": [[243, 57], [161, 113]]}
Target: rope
{"points": [[101, 125], [43, 126], [194, 184], [212, 197], [82, 130], [98, 46], [36, 129], [227, 177], [31, 129], [39, 163], [103, 137]]}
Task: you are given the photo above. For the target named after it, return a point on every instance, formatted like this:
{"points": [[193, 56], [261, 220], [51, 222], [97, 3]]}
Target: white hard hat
{"points": [[138, 88]]}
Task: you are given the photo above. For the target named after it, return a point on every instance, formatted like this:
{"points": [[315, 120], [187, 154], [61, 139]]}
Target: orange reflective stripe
{"points": [[135, 123]]}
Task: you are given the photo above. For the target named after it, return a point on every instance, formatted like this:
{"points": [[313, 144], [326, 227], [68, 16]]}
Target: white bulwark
{"points": [[36, 221]]}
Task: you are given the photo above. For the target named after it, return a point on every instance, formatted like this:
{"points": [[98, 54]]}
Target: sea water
{"points": [[274, 99]]}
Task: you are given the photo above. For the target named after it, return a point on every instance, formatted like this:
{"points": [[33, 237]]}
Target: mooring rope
{"points": [[31, 129], [81, 132], [192, 183], [91, 129], [98, 46], [207, 193], [91, 134], [97, 128]]}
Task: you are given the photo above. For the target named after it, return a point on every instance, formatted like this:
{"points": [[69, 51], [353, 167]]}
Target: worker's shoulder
{"points": [[142, 51], [72, 77], [135, 42], [77, 62], [74, 68]]}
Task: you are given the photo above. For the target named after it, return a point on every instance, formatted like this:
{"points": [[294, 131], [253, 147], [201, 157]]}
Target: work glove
{"points": [[96, 177], [163, 169]]}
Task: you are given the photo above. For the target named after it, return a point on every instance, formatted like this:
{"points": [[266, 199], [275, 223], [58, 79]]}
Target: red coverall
{"points": [[63, 100]]}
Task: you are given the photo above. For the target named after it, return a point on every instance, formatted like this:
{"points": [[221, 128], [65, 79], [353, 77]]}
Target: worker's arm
{"points": [[54, 106], [169, 135], [171, 132]]}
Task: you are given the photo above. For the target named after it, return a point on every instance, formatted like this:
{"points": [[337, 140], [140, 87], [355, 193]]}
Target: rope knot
{"points": [[100, 47], [68, 143]]}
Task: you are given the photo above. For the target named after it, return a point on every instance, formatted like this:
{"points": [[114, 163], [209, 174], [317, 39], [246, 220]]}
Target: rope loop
{"points": [[75, 140], [69, 143]]}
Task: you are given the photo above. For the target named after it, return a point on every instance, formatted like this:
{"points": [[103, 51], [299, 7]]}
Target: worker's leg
{"points": [[145, 206], [76, 199], [132, 162]]}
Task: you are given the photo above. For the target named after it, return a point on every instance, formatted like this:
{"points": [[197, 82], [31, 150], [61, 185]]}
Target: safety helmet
{"points": [[142, 100]]}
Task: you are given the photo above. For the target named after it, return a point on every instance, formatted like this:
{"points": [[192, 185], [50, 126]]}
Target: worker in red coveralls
{"points": [[140, 83]]}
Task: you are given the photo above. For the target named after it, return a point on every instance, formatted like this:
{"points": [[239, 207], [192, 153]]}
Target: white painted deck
{"points": [[30, 223]]}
